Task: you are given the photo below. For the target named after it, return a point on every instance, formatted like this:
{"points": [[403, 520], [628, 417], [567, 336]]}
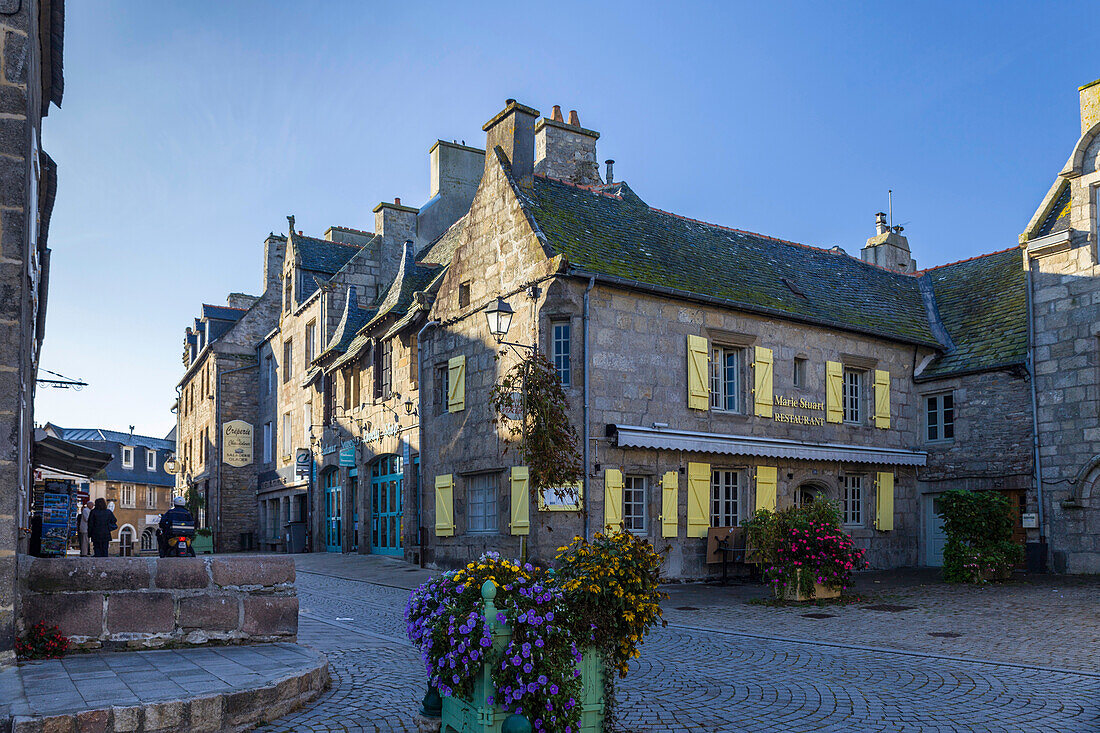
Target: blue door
{"points": [[333, 541], [353, 494], [385, 506]]}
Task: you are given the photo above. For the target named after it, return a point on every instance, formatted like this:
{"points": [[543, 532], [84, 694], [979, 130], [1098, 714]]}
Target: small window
{"points": [[561, 334], [853, 403], [634, 503], [127, 457], [442, 387], [725, 379], [126, 497], [940, 417], [268, 445], [269, 375], [151, 460], [287, 292], [346, 374], [799, 379], [287, 442], [150, 497], [481, 503], [464, 294], [311, 337], [852, 500], [383, 368], [724, 486], [288, 363]]}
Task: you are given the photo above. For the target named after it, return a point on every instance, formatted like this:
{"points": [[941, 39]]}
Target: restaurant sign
{"points": [[237, 443], [798, 404]]}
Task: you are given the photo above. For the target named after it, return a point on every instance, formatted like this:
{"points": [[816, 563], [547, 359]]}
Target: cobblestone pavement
{"points": [[734, 666]]}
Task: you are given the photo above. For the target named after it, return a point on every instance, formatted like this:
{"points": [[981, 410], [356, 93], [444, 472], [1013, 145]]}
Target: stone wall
{"points": [[152, 602]]}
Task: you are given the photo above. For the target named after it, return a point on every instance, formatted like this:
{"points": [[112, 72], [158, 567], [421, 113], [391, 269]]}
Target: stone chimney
{"points": [[274, 253], [395, 224], [566, 151], [1090, 105], [513, 129], [888, 248]]}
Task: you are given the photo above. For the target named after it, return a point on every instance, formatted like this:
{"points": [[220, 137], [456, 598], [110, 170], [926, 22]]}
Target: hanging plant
{"points": [[531, 406]]}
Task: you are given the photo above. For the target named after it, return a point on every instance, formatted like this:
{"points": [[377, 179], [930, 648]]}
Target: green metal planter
{"points": [[203, 544], [475, 715]]}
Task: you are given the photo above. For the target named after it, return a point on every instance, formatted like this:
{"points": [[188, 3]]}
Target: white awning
{"points": [[633, 436]]}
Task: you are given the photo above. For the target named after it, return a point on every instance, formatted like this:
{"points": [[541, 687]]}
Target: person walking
{"points": [[82, 528], [101, 523]]}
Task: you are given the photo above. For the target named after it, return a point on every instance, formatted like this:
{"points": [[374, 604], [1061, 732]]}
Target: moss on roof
{"points": [[982, 303], [613, 232]]}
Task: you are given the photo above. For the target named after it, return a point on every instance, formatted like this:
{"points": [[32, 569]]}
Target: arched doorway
{"points": [[126, 541], [330, 483], [386, 475], [148, 540], [809, 492]]}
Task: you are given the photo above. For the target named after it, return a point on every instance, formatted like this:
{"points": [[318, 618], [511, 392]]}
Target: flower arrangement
{"points": [[603, 596], [803, 547], [42, 642]]}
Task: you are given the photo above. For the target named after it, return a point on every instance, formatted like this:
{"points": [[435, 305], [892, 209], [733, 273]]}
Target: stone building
{"points": [[134, 484], [1060, 258], [31, 32]]}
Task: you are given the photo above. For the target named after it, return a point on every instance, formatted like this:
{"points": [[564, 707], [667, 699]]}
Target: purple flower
{"points": [[528, 669], [553, 689]]}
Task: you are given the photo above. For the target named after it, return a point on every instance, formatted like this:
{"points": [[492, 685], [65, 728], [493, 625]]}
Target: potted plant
{"points": [[498, 637], [203, 542], [805, 552]]}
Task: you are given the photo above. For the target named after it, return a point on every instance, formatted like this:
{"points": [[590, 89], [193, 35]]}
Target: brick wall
{"points": [[151, 602]]}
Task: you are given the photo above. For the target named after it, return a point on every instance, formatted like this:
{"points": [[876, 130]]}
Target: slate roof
{"points": [[613, 232], [101, 434], [1058, 218], [321, 255], [440, 252], [987, 334], [353, 319], [222, 312]]}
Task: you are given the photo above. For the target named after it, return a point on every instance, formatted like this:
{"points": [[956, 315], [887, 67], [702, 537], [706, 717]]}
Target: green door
{"points": [[385, 506], [333, 542]]}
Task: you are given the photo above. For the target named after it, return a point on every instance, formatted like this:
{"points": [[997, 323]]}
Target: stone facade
{"points": [[30, 34]]}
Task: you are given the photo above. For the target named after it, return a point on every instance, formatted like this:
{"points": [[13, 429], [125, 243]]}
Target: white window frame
{"points": [[483, 503], [726, 383], [269, 442], [725, 493], [150, 459], [561, 338], [935, 418], [309, 338], [288, 427], [150, 497], [127, 496], [635, 493], [852, 396], [851, 499], [127, 456], [798, 374]]}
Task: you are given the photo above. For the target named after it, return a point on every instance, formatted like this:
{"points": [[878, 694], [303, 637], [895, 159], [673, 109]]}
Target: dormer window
{"points": [[151, 460], [127, 456]]}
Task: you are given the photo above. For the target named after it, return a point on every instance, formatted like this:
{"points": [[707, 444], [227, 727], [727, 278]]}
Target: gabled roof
{"points": [[987, 335], [1057, 220], [353, 319], [222, 312], [321, 255], [610, 231]]}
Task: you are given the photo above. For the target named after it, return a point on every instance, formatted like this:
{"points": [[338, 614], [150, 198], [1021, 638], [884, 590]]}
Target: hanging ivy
{"points": [[531, 406]]}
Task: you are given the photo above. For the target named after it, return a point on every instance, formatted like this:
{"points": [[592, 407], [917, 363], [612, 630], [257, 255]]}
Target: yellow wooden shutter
{"points": [[884, 502], [882, 399], [456, 376], [670, 509], [834, 391], [765, 487], [444, 506], [612, 499], [698, 499], [698, 383], [762, 381], [521, 501]]}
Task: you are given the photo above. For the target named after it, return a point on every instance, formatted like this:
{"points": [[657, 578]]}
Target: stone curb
{"points": [[231, 710]]}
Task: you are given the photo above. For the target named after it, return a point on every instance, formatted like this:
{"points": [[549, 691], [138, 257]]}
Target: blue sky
{"points": [[189, 131]]}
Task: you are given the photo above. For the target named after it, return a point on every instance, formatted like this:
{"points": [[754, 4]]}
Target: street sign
{"points": [[303, 463], [237, 443]]}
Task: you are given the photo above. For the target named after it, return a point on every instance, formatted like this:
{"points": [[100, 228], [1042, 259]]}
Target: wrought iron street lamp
{"points": [[499, 315]]}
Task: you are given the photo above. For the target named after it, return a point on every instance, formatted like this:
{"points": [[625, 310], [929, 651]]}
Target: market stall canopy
{"points": [[62, 455], [633, 436]]}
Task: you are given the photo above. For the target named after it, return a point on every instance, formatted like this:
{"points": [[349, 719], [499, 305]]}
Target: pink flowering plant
{"points": [[803, 546], [535, 675]]}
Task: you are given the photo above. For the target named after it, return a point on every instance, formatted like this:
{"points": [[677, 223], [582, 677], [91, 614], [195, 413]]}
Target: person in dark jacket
{"points": [[177, 517], [101, 523]]}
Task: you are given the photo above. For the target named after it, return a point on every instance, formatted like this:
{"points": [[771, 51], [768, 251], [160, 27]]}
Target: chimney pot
{"points": [[574, 119], [556, 117], [509, 101], [880, 223], [397, 200], [610, 176]]}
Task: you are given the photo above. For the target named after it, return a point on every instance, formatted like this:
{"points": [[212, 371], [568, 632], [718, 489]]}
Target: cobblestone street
{"points": [[1015, 657]]}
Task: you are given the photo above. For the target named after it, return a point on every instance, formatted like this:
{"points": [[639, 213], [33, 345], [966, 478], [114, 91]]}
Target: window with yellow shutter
{"points": [[725, 378]]}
